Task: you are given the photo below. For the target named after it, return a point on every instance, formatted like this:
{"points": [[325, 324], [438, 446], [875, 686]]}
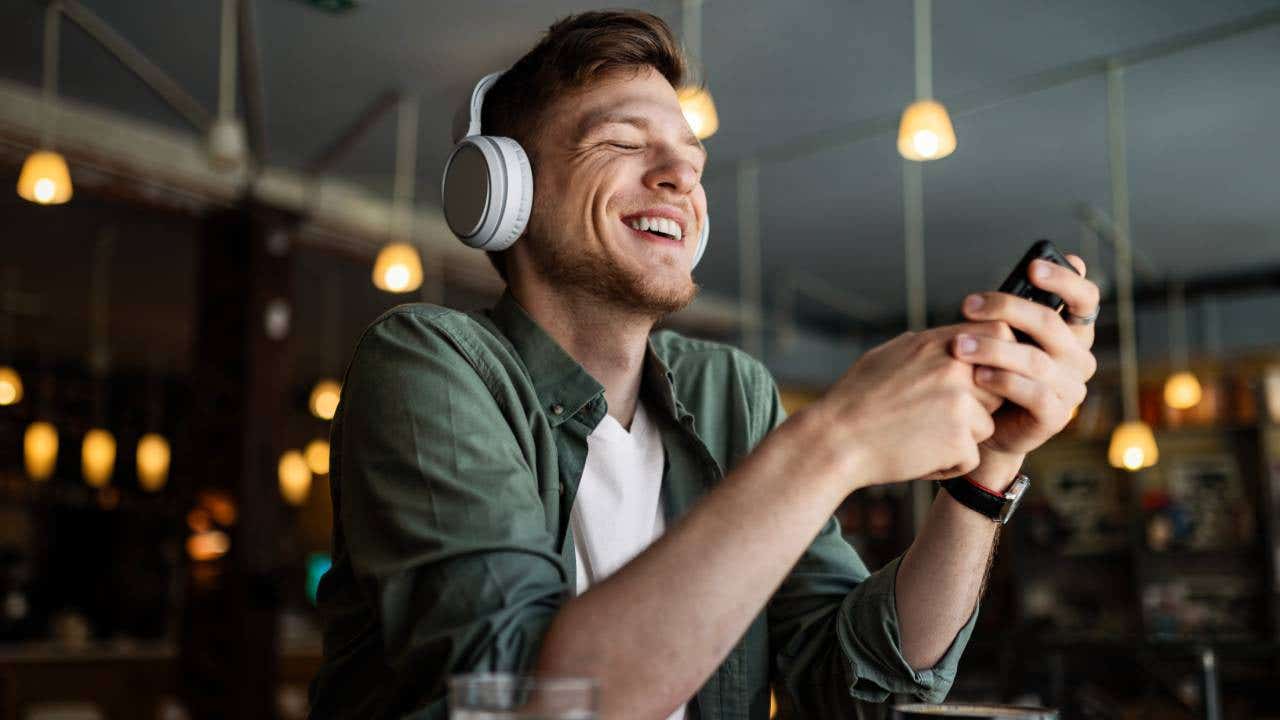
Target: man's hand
{"points": [[908, 409], [1041, 385]]}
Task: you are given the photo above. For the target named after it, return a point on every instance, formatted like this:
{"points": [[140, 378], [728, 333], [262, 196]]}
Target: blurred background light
{"points": [[98, 457], [40, 450], [153, 462]]}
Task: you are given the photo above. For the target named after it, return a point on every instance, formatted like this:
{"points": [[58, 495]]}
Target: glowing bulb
{"points": [[397, 269], [396, 278], [699, 111], [324, 398], [98, 457], [926, 142], [317, 456], [1182, 390], [45, 189], [208, 545], [10, 386], [294, 476], [1133, 446], [45, 179], [153, 462], [40, 450], [925, 132]]}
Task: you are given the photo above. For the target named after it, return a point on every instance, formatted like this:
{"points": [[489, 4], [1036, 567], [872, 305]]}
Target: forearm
{"points": [[654, 631], [941, 577]]}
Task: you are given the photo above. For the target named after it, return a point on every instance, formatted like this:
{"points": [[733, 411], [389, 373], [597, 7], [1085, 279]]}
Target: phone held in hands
{"points": [[1018, 284]]}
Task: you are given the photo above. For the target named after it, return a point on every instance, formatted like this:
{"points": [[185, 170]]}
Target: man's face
{"points": [[611, 160]]}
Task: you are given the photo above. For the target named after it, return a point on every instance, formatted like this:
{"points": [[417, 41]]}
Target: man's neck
{"points": [[608, 342]]}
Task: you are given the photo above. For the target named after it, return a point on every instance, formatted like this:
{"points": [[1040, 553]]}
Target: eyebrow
{"points": [[607, 117]]}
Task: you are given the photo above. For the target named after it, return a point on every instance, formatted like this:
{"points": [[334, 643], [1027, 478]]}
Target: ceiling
{"points": [[1202, 156]]}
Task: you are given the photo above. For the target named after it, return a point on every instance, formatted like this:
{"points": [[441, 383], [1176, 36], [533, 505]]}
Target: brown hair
{"points": [[575, 52]]}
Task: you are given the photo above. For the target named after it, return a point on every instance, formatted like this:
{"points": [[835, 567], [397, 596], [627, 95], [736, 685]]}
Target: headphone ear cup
{"points": [[487, 191], [702, 240]]}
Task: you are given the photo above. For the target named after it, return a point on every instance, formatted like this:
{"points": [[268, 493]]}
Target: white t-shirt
{"points": [[617, 512]]}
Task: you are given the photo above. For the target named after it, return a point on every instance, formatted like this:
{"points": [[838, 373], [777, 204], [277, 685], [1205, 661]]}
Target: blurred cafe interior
{"points": [[209, 201]]}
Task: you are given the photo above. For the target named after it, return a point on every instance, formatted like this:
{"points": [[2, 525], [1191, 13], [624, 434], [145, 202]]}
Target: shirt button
{"points": [[558, 409]]}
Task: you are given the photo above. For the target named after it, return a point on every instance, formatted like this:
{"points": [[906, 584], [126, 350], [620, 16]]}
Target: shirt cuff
{"points": [[869, 637]]}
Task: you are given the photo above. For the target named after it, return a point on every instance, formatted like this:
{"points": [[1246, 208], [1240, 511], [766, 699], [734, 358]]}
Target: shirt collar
{"points": [[563, 386], [560, 382]]}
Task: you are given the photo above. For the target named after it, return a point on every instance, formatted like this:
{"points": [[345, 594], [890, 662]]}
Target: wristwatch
{"points": [[997, 506]]}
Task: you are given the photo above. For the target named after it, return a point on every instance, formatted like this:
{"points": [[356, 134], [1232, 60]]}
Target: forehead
{"points": [[643, 94]]}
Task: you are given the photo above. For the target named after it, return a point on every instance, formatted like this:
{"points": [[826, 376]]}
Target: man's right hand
{"points": [[908, 409]]}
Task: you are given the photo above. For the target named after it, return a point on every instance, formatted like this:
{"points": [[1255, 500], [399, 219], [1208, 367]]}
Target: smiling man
{"points": [[552, 486]]}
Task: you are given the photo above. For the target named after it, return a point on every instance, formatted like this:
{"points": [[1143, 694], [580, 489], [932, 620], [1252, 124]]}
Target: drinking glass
{"points": [[504, 696]]}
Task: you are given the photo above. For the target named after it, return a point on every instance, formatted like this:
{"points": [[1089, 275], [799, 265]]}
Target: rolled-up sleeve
{"points": [[834, 627], [444, 521], [833, 630]]}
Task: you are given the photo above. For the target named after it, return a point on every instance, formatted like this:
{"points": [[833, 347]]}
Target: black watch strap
{"points": [[997, 507]]}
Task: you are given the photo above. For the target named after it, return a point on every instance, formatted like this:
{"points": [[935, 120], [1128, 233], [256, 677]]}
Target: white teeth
{"points": [[657, 224]]}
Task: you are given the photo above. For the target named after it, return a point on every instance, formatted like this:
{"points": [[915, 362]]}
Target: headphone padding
{"points": [[702, 240], [507, 195]]}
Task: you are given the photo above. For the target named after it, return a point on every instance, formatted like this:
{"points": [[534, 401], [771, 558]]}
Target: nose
{"points": [[673, 174]]}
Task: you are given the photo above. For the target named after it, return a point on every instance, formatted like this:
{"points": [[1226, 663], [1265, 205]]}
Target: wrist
{"points": [[817, 446], [996, 471]]}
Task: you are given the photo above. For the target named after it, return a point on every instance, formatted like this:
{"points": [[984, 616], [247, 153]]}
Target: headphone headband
{"points": [[477, 102]]}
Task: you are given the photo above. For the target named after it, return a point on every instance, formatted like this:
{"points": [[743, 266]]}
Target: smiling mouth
{"points": [[660, 228]]}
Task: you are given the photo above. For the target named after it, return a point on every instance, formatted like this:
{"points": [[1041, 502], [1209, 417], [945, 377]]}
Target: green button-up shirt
{"points": [[456, 453]]}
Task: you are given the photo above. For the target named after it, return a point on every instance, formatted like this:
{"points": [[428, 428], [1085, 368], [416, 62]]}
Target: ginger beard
{"points": [[569, 262]]}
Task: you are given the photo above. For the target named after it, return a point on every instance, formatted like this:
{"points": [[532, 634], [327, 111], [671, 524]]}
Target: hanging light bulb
{"points": [[153, 462], [1133, 446], [324, 398], [98, 457], [1182, 390], [10, 386], [45, 179], [317, 456], [699, 111], [398, 268], [295, 477], [925, 132], [40, 450]]}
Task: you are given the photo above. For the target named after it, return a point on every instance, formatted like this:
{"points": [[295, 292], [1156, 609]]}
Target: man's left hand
{"points": [[1042, 384]]}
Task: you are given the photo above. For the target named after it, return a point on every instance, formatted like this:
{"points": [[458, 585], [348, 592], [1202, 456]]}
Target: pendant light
{"points": [[153, 462], [925, 131], [40, 450], [1182, 388], [317, 456], [323, 402], [98, 457], [228, 148], [98, 449], [695, 99], [44, 178], [398, 267], [294, 477], [1133, 445], [10, 386]]}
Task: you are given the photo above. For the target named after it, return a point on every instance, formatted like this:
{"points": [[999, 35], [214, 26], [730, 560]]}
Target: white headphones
{"points": [[487, 189]]}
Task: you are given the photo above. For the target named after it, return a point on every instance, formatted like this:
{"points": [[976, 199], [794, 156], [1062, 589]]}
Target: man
{"points": [[552, 487]]}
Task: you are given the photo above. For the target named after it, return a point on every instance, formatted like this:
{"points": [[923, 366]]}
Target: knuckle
{"points": [[1039, 362]]}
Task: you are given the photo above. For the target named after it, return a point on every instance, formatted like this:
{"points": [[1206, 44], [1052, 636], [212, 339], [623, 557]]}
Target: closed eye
{"points": [[624, 146]]}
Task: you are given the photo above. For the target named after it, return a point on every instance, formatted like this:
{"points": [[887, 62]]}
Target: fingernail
{"points": [[1041, 270], [966, 344], [973, 303], [984, 373]]}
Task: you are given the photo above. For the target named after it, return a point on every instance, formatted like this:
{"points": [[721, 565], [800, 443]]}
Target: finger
{"points": [[1080, 295], [980, 423], [1044, 325], [1077, 262], [1026, 360], [1035, 397]]}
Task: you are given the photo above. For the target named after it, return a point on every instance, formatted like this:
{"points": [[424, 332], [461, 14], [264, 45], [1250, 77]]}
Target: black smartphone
{"points": [[1018, 284]]}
